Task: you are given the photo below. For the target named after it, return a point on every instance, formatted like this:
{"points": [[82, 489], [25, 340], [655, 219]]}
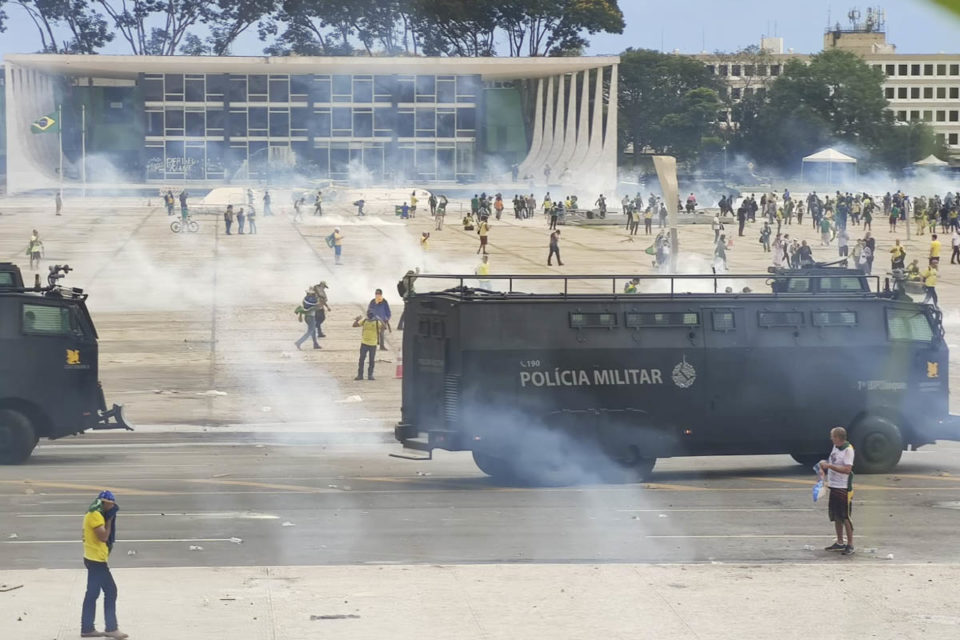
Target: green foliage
{"points": [[835, 99], [668, 103]]}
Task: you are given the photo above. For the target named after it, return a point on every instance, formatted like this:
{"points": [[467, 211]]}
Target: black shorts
{"points": [[840, 507]]}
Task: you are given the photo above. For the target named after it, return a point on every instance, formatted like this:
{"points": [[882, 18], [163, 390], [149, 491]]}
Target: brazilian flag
{"points": [[45, 124]]}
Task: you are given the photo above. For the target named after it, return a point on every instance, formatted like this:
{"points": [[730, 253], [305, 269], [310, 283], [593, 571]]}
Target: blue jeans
{"points": [[311, 331], [336, 252], [99, 579]]}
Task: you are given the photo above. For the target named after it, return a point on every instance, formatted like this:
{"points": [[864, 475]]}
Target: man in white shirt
{"points": [[839, 470], [955, 241]]}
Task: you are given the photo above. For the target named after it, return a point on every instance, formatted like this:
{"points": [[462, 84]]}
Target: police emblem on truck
{"points": [[684, 375]]}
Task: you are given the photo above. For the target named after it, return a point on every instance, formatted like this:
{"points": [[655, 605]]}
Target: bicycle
{"points": [[189, 224]]}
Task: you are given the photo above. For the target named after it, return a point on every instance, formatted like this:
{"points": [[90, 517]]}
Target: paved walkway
{"points": [[490, 602]]}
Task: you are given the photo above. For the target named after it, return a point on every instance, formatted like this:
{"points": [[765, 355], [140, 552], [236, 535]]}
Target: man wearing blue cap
{"points": [[98, 537]]}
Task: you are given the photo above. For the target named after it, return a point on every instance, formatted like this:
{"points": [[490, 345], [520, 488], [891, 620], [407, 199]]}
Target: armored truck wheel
{"points": [[809, 459], [17, 437], [626, 466], [496, 468], [877, 444]]}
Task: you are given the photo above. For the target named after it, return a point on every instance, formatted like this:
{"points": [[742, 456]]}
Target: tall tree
{"points": [[668, 103], [67, 26]]}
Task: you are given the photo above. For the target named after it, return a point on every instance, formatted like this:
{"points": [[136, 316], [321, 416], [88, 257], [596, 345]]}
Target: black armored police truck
{"points": [[552, 379], [49, 386]]}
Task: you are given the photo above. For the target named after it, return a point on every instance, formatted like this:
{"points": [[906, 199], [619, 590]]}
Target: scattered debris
{"points": [[228, 599], [870, 550], [663, 515], [346, 487], [266, 409], [194, 547], [889, 556], [285, 355], [636, 517], [212, 392], [219, 475], [236, 540], [423, 473], [808, 547], [332, 486], [4, 588], [350, 399], [338, 616], [12, 536], [288, 524], [131, 552]]}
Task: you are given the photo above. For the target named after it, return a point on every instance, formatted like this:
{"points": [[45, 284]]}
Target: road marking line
{"points": [[80, 487], [125, 541], [230, 515], [856, 486], [705, 510], [749, 535], [921, 477], [263, 485]]}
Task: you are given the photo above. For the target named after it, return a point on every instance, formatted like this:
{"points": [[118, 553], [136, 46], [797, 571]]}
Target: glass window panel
{"points": [[257, 85], [467, 87], [446, 125], [320, 90], [363, 124], [173, 83], [724, 321], [405, 124], [342, 85], [446, 91], [153, 89], [238, 88], [670, 319], [299, 117], [216, 119], [215, 153], [384, 85], [466, 119], [279, 89], [903, 324], [426, 161], [258, 118], [217, 85], [193, 164], [405, 90], [339, 159], [320, 125], [238, 124], [154, 123], [195, 123], [835, 318], [174, 158], [279, 124], [446, 164], [363, 91], [343, 119], [384, 119], [154, 159], [300, 85], [174, 119], [780, 318], [426, 85], [426, 119], [195, 91], [46, 320]]}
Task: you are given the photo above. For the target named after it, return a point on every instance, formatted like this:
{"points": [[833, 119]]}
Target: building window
{"points": [[258, 121], [749, 70], [941, 116], [914, 93], [712, 69], [153, 88], [953, 139], [902, 93], [257, 85], [735, 70], [747, 92], [238, 124], [447, 90], [174, 122], [279, 123], [761, 70], [195, 91], [927, 116], [889, 93], [216, 120], [736, 92], [891, 69], [914, 69], [320, 91], [279, 89], [928, 93], [902, 69], [342, 121], [941, 69], [953, 115], [914, 115], [195, 124], [363, 90], [154, 123], [902, 116], [173, 87], [363, 123], [928, 69], [723, 70], [941, 139], [218, 85], [238, 88], [774, 69], [954, 93]]}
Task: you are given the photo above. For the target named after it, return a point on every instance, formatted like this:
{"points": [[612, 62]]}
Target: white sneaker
{"points": [[119, 635]]}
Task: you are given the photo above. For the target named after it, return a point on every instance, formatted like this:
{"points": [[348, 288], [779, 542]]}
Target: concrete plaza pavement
{"points": [[196, 339]]}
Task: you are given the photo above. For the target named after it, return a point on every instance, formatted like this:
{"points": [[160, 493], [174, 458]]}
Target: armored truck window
{"points": [[648, 320], [46, 320], [593, 320], [724, 321], [6, 279], [843, 284], [834, 318], [769, 319], [908, 325], [798, 285]]}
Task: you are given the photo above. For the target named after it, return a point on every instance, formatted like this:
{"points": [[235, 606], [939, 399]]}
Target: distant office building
{"points": [[377, 120]]}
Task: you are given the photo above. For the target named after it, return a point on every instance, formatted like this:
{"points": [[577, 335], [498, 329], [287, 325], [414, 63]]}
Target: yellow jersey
{"points": [[94, 548], [483, 269], [935, 249], [370, 335], [930, 278]]}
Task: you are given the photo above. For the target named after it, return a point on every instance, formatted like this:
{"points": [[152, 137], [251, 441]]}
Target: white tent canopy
{"points": [[931, 161], [829, 157]]}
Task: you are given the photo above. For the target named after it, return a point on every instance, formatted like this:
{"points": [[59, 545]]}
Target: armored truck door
{"points": [[733, 416]]}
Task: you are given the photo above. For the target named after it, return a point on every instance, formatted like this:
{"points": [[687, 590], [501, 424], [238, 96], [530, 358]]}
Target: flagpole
{"points": [[60, 143], [83, 146]]}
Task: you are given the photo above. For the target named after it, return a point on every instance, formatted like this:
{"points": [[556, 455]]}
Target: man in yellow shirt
{"points": [[934, 250], [930, 284], [483, 230], [369, 339], [97, 542], [483, 270]]}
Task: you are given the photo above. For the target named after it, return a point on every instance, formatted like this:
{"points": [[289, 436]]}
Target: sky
{"points": [[690, 26]]}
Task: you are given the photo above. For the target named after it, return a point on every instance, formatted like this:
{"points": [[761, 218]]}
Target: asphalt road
{"points": [[303, 499]]}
